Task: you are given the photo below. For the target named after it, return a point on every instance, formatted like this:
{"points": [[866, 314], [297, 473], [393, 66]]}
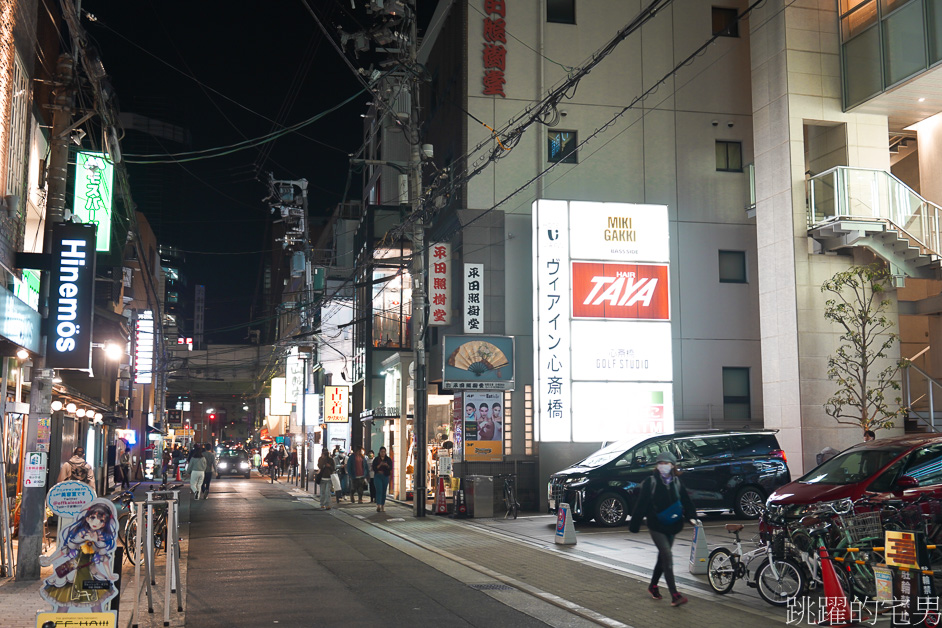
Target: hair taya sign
{"points": [[71, 297]]}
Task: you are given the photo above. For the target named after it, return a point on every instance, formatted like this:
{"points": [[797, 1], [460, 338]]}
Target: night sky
{"points": [[228, 72]]}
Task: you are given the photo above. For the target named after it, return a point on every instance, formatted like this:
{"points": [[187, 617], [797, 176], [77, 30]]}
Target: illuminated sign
{"points": [[19, 323], [601, 321], [94, 177], [127, 435], [279, 392], [71, 296], [473, 298], [439, 284], [605, 290], [336, 404], [632, 351], [144, 348], [27, 288]]}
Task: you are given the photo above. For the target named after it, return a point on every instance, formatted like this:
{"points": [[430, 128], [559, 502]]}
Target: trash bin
{"points": [[480, 495]]}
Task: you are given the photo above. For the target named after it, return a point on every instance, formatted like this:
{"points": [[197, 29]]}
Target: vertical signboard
{"points": [[335, 404], [602, 272], [474, 298], [483, 426], [439, 284], [91, 204], [494, 55], [144, 348], [71, 296]]}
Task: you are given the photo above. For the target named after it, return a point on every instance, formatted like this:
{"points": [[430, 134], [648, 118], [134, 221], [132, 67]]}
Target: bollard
{"points": [[565, 533]]}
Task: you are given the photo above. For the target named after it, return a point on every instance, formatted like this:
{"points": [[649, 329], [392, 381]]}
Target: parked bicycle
{"points": [[510, 495], [776, 579], [128, 526]]}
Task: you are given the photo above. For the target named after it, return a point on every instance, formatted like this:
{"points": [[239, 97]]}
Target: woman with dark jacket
{"points": [[325, 466], [664, 503]]}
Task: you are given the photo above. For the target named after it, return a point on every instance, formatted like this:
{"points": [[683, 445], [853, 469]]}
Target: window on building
{"points": [[561, 147], [561, 11], [732, 267], [17, 153], [724, 22], [728, 156], [737, 402]]}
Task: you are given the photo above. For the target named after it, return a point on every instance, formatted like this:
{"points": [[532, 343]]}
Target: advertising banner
{"points": [[473, 298], [478, 362], [144, 348], [71, 296], [632, 351], [439, 284], [483, 426], [635, 291], [602, 331], [94, 178]]}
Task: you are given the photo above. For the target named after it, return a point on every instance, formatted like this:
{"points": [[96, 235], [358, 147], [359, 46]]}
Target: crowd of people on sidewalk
{"points": [[351, 475]]}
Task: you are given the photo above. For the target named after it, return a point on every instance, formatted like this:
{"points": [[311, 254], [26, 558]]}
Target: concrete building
{"points": [[787, 142]]}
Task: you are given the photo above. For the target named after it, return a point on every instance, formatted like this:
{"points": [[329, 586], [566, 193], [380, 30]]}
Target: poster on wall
{"points": [[602, 329], [483, 426]]}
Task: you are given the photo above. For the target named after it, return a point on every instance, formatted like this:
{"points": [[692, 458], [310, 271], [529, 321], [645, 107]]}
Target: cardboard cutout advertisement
{"points": [[82, 578]]}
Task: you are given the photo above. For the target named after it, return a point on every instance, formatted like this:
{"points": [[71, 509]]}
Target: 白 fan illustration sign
{"points": [[478, 362]]}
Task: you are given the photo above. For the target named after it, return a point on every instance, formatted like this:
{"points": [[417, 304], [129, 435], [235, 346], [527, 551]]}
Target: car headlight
{"points": [[223, 465], [576, 481], [243, 465]]}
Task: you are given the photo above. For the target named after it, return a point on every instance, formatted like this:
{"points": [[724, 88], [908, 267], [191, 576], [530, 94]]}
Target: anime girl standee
{"points": [[83, 578]]}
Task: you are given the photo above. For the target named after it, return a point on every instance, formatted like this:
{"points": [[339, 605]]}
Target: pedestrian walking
{"points": [[196, 469], [358, 472], [325, 467], [257, 461], [369, 459], [166, 460], [210, 469], [664, 504], [382, 467], [125, 464], [272, 461], [293, 464], [340, 468]]}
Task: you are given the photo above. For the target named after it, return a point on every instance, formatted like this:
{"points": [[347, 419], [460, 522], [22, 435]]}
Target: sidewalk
{"points": [[602, 579]]}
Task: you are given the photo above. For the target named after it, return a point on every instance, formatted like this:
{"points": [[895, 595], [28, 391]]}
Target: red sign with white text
{"points": [[632, 291]]}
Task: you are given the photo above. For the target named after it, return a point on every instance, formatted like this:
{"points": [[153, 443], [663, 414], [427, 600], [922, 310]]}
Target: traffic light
{"points": [[212, 417]]}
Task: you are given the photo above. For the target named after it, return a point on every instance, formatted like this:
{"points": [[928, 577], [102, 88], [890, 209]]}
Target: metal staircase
{"points": [[859, 207], [923, 396]]}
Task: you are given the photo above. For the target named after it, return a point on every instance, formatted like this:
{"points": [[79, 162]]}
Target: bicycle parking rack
{"points": [[170, 501]]}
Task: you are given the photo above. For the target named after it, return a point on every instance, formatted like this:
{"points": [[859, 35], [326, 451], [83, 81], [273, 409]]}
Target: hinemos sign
{"points": [[71, 296]]}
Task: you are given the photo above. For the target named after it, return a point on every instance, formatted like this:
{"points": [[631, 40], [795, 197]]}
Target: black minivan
{"points": [[722, 471]]}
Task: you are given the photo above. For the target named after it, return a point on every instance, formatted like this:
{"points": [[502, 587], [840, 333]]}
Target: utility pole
{"points": [[33, 505], [419, 277]]}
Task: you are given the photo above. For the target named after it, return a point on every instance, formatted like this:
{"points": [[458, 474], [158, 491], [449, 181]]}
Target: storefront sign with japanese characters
{"points": [[474, 298], [439, 284]]}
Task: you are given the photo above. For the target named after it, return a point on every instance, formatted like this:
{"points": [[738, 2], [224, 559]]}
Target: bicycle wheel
{"points": [[130, 539], [721, 570], [776, 586], [862, 579]]}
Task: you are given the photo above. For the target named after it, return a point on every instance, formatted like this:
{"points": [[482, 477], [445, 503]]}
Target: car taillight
{"points": [[779, 453]]}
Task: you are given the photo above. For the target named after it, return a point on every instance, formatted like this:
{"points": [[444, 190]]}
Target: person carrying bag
{"points": [[664, 504]]}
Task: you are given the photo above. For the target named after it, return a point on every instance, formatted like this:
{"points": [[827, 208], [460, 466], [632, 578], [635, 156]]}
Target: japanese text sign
{"points": [[474, 298], [335, 404], [494, 54], [439, 284]]}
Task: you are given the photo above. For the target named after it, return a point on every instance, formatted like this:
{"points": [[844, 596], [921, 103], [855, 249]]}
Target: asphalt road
{"points": [[260, 557]]}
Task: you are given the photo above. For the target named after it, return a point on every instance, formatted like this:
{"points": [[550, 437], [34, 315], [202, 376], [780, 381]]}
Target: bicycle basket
{"points": [[865, 525]]}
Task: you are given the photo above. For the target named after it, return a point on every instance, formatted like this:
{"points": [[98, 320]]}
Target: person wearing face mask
{"points": [[664, 504]]}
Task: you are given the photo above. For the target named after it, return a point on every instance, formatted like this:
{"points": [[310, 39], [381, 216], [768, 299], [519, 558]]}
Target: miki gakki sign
{"points": [[71, 296], [602, 338]]}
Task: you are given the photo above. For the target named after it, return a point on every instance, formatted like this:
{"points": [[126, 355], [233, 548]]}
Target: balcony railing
{"points": [[874, 194]]}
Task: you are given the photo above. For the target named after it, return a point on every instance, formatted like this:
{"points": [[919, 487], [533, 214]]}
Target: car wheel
{"points": [[750, 502], [610, 510]]}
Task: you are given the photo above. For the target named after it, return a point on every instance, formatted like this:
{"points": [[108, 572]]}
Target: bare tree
{"points": [[858, 304]]}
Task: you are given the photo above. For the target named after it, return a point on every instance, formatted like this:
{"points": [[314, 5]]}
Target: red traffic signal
{"points": [[212, 417]]}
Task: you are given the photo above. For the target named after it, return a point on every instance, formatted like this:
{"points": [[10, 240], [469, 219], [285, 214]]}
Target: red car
{"points": [[902, 467]]}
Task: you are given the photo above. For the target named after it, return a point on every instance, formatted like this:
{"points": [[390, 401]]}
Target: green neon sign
{"points": [[94, 176]]}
